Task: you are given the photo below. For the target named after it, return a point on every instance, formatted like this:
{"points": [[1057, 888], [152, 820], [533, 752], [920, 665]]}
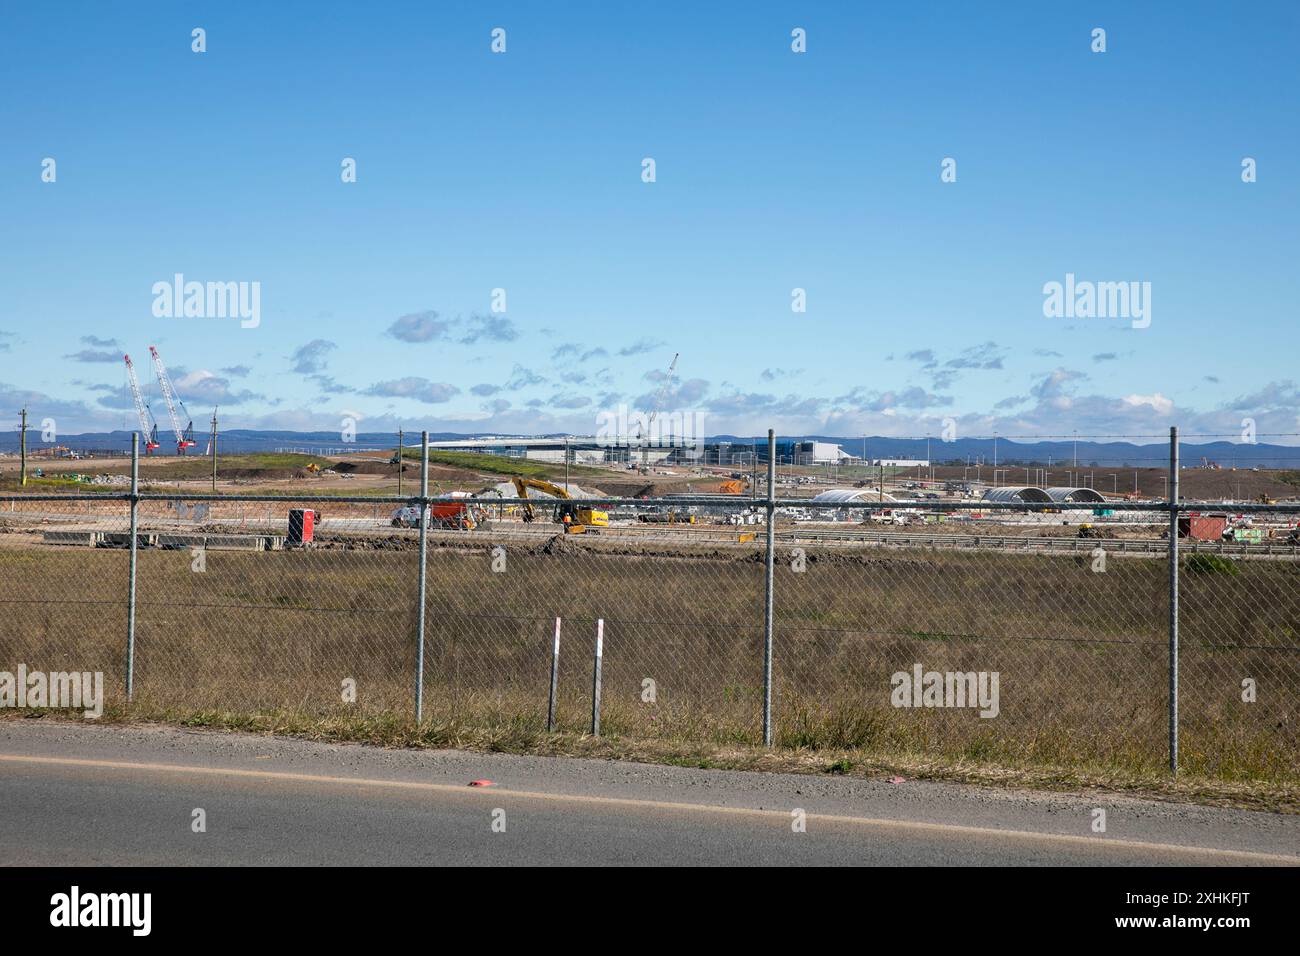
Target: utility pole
{"points": [[566, 465], [22, 444], [399, 463], [214, 451], [753, 481]]}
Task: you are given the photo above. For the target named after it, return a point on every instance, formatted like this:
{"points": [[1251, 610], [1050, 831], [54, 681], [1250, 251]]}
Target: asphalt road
{"points": [[74, 794]]}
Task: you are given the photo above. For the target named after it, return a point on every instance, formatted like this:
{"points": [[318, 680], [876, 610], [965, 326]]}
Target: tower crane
{"points": [[184, 436], [659, 404], [148, 427]]}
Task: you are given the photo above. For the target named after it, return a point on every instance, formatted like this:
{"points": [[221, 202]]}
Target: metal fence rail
{"points": [[977, 643]]}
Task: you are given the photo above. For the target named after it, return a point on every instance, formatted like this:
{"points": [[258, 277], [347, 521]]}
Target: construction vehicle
{"points": [[456, 511], [577, 518], [148, 426], [184, 436], [457, 514]]}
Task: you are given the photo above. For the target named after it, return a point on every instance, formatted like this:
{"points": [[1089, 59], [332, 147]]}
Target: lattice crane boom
{"points": [[654, 413], [184, 436], [147, 428]]}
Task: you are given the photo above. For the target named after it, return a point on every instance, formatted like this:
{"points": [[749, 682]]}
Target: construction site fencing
{"points": [[956, 636]]}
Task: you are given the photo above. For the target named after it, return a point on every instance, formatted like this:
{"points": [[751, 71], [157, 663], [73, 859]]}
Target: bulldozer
{"points": [[577, 518]]}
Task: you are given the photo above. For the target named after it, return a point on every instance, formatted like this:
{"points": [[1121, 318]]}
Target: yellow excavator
{"points": [[577, 518]]}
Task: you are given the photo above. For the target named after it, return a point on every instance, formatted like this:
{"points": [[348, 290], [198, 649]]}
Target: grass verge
{"points": [[524, 737]]}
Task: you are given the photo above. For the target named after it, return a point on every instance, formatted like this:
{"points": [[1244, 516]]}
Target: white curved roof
{"points": [[1012, 493], [840, 495], [1074, 494]]}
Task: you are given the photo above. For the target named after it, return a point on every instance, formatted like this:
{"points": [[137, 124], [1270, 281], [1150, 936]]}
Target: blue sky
{"points": [[774, 171]]}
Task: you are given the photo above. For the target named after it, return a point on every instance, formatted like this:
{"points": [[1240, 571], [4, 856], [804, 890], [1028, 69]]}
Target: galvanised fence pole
{"points": [[1173, 599], [768, 575], [130, 596], [424, 564]]}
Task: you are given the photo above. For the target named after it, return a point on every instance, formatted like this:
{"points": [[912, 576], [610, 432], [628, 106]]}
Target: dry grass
{"points": [[529, 737], [263, 641]]}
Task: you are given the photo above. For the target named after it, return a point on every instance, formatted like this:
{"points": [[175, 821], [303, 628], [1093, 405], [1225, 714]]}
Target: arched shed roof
{"points": [[1074, 494], [1013, 493], [840, 495]]}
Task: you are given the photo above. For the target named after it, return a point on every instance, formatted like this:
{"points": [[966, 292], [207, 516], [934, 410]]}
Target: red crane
{"points": [[148, 427], [184, 436]]}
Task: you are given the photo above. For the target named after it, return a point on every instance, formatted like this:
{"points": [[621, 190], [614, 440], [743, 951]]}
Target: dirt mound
{"points": [[559, 544], [640, 488], [325, 542], [369, 468]]}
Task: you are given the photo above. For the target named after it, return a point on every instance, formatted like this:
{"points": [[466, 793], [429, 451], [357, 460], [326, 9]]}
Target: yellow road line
{"points": [[630, 802]]}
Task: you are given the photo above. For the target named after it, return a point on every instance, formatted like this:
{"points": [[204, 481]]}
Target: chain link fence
{"points": [[1021, 633]]}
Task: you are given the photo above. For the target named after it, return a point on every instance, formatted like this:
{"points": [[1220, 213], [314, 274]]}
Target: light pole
{"points": [[22, 453], [214, 451]]}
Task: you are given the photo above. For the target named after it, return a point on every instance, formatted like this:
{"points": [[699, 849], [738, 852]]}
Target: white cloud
{"points": [[1162, 405]]}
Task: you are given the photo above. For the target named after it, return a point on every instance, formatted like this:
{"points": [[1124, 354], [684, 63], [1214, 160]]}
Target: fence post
{"points": [[767, 602], [424, 564], [130, 597], [1173, 599], [595, 677], [555, 679]]}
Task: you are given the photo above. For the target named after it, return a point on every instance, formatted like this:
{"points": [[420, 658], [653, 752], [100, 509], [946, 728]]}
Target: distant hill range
{"points": [[1227, 454], [1010, 452]]}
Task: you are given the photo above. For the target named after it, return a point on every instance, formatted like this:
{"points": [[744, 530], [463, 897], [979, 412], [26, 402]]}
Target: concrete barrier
{"points": [[85, 539], [222, 542], [236, 542], [122, 539]]}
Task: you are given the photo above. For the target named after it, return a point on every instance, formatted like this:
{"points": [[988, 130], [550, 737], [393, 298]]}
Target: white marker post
{"points": [[555, 679], [595, 679]]}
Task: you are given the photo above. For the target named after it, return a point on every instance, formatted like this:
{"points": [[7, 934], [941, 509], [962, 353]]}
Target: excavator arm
{"points": [[575, 519], [523, 484]]}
